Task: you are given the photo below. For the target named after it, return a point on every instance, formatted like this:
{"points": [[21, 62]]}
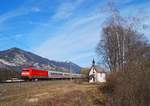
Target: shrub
{"points": [[128, 88]]}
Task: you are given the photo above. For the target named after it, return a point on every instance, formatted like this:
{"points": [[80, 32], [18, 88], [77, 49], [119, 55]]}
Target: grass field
{"points": [[50, 93]]}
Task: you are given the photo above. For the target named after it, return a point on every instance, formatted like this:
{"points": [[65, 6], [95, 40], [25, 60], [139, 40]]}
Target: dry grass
{"points": [[50, 93]]}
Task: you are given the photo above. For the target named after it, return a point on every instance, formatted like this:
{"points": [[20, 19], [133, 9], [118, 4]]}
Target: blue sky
{"points": [[62, 30]]}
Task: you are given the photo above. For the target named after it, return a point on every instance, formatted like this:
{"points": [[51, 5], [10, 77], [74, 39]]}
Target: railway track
{"points": [[36, 80]]}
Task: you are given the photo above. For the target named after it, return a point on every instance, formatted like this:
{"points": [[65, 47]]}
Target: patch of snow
{"points": [[7, 63], [67, 61], [19, 59]]}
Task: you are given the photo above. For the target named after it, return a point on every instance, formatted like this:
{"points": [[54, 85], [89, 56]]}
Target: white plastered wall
{"points": [[90, 73], [101, 77]]}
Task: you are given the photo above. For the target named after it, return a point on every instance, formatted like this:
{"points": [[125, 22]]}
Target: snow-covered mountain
{"points": [[18, 58]]}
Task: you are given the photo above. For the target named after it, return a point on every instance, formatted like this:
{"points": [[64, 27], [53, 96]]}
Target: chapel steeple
{"points": [[93, 62]]}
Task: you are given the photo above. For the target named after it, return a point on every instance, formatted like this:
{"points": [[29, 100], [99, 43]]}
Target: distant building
{"points": [[96, 74]]}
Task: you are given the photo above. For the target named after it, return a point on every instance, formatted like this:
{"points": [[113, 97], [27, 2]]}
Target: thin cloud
{"points": [[66, 9], [11, 14], [21, 10], [36, 9], [38, 23], [78, 41]]}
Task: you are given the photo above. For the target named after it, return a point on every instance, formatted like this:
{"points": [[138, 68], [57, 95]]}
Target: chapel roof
{"points": [[99, 69]]}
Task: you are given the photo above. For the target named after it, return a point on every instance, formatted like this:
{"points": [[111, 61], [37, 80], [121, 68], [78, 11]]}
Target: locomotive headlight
{"points": [[25, 73]]}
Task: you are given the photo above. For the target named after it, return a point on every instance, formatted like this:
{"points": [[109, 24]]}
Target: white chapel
{"points": [[96, 74]]}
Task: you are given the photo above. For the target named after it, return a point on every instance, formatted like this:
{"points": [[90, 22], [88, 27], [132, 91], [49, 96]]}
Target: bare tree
{"points": [[126, 52], [117, 42]]}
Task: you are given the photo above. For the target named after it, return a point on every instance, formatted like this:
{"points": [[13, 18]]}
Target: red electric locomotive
{"points": [[32, 73]]}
